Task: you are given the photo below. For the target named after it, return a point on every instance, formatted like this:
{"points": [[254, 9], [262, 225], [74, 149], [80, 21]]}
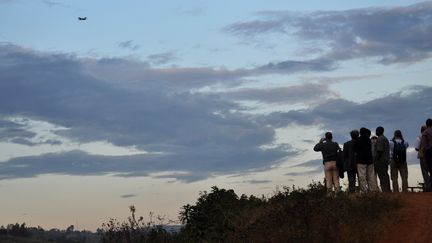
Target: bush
{"points": [[135, 230], [297, 215], [291, 215], [215, 215]]}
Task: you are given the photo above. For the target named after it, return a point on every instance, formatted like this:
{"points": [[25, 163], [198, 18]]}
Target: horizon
{"points": [[151, 103]]}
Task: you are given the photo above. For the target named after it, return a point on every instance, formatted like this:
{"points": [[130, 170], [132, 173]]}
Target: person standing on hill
{"points": [[426, 144], [382, 159], [350, 164], [398, 147], [329, 150], [427, 176], [365, 166]]}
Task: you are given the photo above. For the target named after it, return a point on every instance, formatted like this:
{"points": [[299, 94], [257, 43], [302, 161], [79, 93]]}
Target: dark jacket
{"points": [[349, 156], [363, 150], [382, 150], [426, 139], [426, 144], [328, 149]]}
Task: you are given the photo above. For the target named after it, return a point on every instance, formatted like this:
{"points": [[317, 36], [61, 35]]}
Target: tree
{"points": [[214, 215]]}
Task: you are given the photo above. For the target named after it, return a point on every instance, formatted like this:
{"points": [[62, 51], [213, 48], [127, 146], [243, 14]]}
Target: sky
{"points": [[149, 103]]}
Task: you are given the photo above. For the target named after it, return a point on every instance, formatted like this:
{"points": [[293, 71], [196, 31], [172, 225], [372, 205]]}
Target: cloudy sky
{"points": [[149, 103]]}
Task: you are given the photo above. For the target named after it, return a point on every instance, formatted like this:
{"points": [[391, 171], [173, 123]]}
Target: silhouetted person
{"points": [[398, 147], [427, 177], [382, 159], [426, 144], [350, 164], [365, 166], [329, 150]]}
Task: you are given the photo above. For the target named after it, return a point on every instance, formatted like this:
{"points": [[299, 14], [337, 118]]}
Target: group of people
{"points": [[369, 157]]}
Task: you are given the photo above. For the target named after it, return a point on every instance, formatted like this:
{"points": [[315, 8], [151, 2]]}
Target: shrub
{"points": [[296, 215], [135, 230], [215, 215]]}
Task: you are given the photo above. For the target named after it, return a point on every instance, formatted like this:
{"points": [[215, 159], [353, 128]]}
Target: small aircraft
{"points": [[82, 18]]}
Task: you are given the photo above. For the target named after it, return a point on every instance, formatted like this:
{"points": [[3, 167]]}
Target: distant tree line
{"points": [[14, 232]]}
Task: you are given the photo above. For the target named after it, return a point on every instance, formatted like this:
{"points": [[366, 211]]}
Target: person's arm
{"points": [[318, 146]]}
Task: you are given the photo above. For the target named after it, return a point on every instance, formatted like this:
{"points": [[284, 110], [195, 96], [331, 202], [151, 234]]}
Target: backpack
{"points": [[399, 151]]}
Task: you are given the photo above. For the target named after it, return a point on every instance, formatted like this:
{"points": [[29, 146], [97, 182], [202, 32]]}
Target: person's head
{"points": [[429, 122], [423, 127], [379, 131], [328, 136], [398, 134], [368, 133], [354, 134], [363, 131]]}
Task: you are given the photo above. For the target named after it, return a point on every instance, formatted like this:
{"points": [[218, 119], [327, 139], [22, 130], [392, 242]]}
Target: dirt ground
{"points": [[414, 220]]}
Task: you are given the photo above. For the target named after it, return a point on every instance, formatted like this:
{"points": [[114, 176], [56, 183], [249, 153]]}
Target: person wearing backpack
{"points": [[398, 148]]}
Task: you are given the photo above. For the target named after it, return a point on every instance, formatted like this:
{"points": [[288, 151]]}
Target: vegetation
{"points": [[290, 215], [20, 233], [135, 230], [297, 215]]}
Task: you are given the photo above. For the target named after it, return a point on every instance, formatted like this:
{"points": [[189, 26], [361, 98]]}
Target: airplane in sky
{"points": [[82, 18]]}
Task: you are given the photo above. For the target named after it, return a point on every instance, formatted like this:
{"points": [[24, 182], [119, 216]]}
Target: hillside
{"points": [[414, 220]]}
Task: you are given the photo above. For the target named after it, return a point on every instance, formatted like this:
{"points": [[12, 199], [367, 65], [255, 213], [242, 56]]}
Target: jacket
{"points": [[349, 156], [328, 149], [363, 150]]}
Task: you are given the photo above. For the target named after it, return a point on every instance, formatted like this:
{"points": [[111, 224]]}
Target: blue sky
{"points": [[148, 103]]}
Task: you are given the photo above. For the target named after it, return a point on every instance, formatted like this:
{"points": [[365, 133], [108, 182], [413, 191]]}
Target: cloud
{"points": [[303, 93], [311, 163], [195, 164], [200, 134], [314, 171], [10, 130], [129, 45], [389, 35], [254, 182], [406, 110], [312, 167], [143, 76], [129, 195], [291, 66], [162, 58], [52, 3]]}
